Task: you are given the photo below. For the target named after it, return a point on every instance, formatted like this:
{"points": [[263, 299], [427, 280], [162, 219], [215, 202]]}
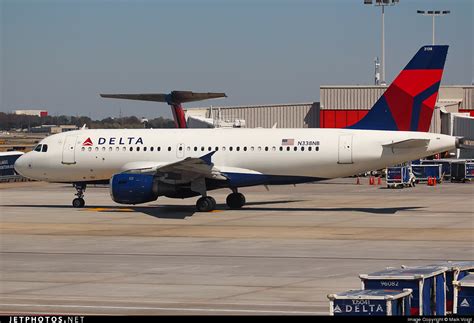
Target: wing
{"points": [[183, 171]]}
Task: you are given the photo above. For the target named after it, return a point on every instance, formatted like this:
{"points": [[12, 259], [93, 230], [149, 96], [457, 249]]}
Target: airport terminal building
{"points": [[339, 107]]}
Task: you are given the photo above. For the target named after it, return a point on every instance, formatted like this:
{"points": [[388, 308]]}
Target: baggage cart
{"points": [[428, 284], [464, 296], [423, 172], [456, 271], [370, 302], [399, 177], [462, 171]]}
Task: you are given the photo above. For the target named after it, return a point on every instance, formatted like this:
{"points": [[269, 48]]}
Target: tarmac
{"points": [[279, 255]]}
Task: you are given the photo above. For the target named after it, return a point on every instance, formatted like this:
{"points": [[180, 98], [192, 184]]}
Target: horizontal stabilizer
{"points": [[408, 143], [175, 97]]}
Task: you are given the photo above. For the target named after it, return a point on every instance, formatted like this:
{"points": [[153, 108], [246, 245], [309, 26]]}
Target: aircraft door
{"points": [[69, 148], [180, 151], [345, 149]]}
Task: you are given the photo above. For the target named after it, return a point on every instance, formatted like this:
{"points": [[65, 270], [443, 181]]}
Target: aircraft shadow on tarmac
{"points": [[164, 211]]}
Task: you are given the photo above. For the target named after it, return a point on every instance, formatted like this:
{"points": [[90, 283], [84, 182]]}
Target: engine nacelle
{"points": [[133, 188]]}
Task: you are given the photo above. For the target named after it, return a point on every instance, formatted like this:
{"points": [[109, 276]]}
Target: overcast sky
{"points": [[59, 55]]}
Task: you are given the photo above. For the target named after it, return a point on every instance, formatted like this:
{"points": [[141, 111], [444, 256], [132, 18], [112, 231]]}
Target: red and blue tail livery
{"points": [[408, 103]]}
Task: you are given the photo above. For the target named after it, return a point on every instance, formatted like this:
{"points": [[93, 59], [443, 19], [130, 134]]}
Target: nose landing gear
{"points": [[79, 202]]}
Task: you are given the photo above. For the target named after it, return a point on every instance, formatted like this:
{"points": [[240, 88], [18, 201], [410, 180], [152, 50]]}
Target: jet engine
{"points": [[130, 188]]}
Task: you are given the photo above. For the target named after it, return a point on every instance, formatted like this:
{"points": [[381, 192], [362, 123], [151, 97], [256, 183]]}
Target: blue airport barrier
{"points": [[464, 296], [428, 284], [371, 303]]}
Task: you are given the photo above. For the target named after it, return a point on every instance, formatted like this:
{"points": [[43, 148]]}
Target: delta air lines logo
{"points": [[114, 141], [87, 142]]}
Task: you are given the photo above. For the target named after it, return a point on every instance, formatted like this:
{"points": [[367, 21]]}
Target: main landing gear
{"points": [[235, 200], [79, 202]]}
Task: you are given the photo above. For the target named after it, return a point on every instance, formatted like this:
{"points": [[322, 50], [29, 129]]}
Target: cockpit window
{"points": [[38, 148], [45, 148]]}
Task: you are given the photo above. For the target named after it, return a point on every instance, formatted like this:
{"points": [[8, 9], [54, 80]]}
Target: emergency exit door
{"points": [[69, 150], [345, 149]]}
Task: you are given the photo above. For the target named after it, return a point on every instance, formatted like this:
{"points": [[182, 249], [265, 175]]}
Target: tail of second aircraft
{"points": [[408, 103]]}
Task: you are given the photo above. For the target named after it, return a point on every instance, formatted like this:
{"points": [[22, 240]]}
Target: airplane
{"points": [[141, 165]]}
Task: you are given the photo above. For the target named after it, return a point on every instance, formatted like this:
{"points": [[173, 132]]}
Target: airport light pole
{"points": [[383, 4], [433, 14]]}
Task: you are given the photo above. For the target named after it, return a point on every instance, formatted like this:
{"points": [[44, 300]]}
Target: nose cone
{"points": [[21, 165]]}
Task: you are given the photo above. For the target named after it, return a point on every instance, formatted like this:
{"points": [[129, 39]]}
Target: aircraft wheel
{"points": [[78, 202], [235, 200], [205, 204]]}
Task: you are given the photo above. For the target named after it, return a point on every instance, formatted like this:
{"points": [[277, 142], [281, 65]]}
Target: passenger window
{"points": [[188, 148], [202, 148], [281, 148], [230, 148], [266, 148], [158, 148], [195, 148], [83, 148], [180, 148], [287, 148], [38, 148], [245, 148], [90, 148], [103, 148], [317, 148], [223, 148], [110, 148], [144, 148], [131, 148], [309, 148], [295, 149], [259, 148], [209, 148], [302, 148], [138, 148], [96, 148], [45, 148], [169, 148], [117, 148], [124, 148], [152, 148], [217, 148], [238, 148], [274, 148], [252, 148]]}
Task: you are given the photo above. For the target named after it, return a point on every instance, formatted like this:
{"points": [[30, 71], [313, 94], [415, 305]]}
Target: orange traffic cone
{"points": [[371, 180], [358, 181], [379, 181], [433, 181]]}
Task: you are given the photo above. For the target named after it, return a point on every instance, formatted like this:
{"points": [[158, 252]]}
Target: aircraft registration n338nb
{"points": [[143, 164]]}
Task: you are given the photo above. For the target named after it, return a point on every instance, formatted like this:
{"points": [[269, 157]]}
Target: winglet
{"points": [[207, 158]]}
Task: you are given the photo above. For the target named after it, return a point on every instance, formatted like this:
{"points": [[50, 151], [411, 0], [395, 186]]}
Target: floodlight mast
{"points": [[382, 3], [433, 14]]}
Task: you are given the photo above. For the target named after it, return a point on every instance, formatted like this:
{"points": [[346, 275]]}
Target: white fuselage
{"points": [[318, 153]]}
